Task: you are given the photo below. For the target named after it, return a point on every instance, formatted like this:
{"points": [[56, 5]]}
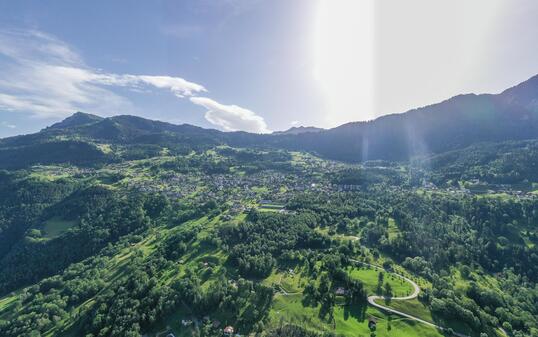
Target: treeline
{"points": [[446, 230], [252, 161]]}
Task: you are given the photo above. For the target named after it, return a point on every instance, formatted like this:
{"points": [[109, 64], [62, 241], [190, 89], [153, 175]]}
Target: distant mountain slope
{"points": [[77, 119], [450, 125], [298, 130], [510, 162]]}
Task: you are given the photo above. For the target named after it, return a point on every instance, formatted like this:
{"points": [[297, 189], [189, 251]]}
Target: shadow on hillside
{"points": [[357, 311]]}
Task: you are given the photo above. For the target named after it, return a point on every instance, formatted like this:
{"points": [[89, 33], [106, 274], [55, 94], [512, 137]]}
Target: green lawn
{"points": [[369, 278], [417, 309]]}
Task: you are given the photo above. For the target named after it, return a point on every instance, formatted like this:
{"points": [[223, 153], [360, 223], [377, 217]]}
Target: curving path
{"points": [[373, 298]]}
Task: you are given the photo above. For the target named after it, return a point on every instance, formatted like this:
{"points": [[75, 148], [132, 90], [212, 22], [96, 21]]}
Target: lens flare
{"points": [[344, 58]]}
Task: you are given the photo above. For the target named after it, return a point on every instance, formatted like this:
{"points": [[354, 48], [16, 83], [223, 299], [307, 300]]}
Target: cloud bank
{"points": [[45, 77]]}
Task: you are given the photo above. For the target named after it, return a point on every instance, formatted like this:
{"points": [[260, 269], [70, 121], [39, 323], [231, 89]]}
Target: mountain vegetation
{"points": [[419, 224]]}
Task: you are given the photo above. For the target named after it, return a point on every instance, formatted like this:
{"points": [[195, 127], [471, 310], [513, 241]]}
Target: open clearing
{"points": [[55, 226]]}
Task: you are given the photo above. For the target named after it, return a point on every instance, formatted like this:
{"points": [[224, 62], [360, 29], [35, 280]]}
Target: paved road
{"points": [[372, 300]]}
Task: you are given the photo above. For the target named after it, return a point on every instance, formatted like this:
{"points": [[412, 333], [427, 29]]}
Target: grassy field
{"points": [[369, 278], [412, 307], [270, 207], [289, 282], [417, 309], [6, 304], [352, 322], [393, 230], [55, 226]]}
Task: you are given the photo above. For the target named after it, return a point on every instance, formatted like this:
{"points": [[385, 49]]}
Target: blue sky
{"points": [[254, 65]]}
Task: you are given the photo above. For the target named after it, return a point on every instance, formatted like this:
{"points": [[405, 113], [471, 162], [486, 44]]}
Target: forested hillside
{"points": [[427, 225], [269, 242]]}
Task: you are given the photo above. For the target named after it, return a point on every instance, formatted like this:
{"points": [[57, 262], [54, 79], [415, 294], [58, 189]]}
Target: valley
{"points": [[269, 242], [269, 168]]}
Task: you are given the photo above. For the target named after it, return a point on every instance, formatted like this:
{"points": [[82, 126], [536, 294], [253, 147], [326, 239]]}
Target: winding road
{"points": [[372, 300]]}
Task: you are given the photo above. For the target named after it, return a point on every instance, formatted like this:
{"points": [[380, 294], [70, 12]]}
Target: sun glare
{"points": [[344, 58]]}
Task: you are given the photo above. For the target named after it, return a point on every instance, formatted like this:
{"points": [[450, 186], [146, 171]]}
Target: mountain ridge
{"points": [[448, 125], [298, 130]]}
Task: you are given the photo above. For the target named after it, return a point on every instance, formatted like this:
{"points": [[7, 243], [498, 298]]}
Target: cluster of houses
{"points": [[173, 186], [219, 187], [245, 185]]}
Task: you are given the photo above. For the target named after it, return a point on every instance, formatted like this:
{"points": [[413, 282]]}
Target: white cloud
{"points": [[294, 123], [43, 76], [176, 85], [32, 45], [231, 117], [46, 78]]}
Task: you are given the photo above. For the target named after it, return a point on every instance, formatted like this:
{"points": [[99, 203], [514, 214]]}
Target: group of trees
{"points": [[256, 244], [132, 305], [327, 273], [44, 305]]}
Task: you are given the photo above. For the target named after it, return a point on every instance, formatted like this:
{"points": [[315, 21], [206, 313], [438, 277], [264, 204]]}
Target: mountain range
{"points": [[449, 125]]}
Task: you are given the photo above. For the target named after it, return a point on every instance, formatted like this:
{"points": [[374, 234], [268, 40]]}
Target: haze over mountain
{"points": [[452, 124]]}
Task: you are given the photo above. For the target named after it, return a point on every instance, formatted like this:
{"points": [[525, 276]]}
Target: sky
{"points": [[255, 65]]}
